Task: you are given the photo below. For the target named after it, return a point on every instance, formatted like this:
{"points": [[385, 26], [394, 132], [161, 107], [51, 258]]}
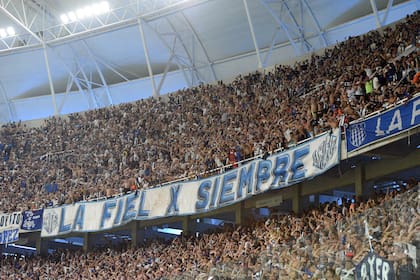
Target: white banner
{"points": [[280, 170], [9, 227], [10, 221]]}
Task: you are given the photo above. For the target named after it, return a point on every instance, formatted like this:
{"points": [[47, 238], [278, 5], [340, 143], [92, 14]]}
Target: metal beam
{"points": [[388, 7], [146, 54], [50, 81], [162, 79], [375, 13], [194, 32], [270, 50], [251, 29], [21, 24], [123, 16], [45, 52], [315, 20], [282, 25], [6, 101], [76, 80], [171, 52], [190, 57], [101, 76], [298, 27], [68, 87], [113, 69], [88, 85]]}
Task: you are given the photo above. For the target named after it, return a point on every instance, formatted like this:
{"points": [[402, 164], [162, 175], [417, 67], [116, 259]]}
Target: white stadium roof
{"points": [[58, 57]]}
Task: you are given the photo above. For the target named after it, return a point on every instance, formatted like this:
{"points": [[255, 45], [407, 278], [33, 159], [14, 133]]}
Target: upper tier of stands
{"points": [[143, 144]]}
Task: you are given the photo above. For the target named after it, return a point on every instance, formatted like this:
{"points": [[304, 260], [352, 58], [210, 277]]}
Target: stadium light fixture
{"points": [[3, 33], [72, 16], [88, 11], [65, 19], [6, 32], [85, 12], [80, 13], [11, 31]]}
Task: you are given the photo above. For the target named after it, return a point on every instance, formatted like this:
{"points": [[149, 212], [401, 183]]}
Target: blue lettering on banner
{"points": [[298, 168], [129, 211], [226, 194], [117, 219], [246, 179], [9, 236], [215, 191], [106, 213], [391, 122], [142, 212], [203, 195], [173, 206], [277, 171], [80, 216], [263, 173], [280, 171]]}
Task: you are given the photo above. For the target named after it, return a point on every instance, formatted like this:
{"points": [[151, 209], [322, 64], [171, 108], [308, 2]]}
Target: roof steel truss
{"points": [[294, 29], [39, 21]]}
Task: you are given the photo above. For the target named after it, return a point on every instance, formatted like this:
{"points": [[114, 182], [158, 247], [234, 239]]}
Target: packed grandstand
{"points": [[151, 142]]}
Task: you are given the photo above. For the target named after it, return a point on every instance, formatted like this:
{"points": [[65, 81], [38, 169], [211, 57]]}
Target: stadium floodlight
{"points": [[80, 13], [96, 8], [72, 16], [3, 33], [104, 7], [64, 18], [86, 12], [11, 31]]}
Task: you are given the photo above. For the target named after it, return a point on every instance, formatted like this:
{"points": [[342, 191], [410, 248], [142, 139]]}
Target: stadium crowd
{"points": [[110, 150], [138, 145], [107, 151], [323, 243]]}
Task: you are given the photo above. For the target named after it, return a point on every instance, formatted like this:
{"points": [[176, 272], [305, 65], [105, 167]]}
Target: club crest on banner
{"points": [[32, 220], [50, 221], [357, 134], [28, 221], [325, 152]]}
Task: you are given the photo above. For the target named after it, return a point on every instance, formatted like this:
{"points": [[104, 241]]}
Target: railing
{"points": [[402, 101]]}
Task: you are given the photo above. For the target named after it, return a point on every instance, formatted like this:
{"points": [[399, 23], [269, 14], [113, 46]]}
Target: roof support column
{"points": [[375, 13], [189, 55], [194, 32], [299, 28], [7, 102], [74, 77], [98, 69], [388, 7], [270, 50], [164, 74], [172, 53], [146, 54], [251, 28], [317, 25], [50, 81], [282, 25], [88, 86]]}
